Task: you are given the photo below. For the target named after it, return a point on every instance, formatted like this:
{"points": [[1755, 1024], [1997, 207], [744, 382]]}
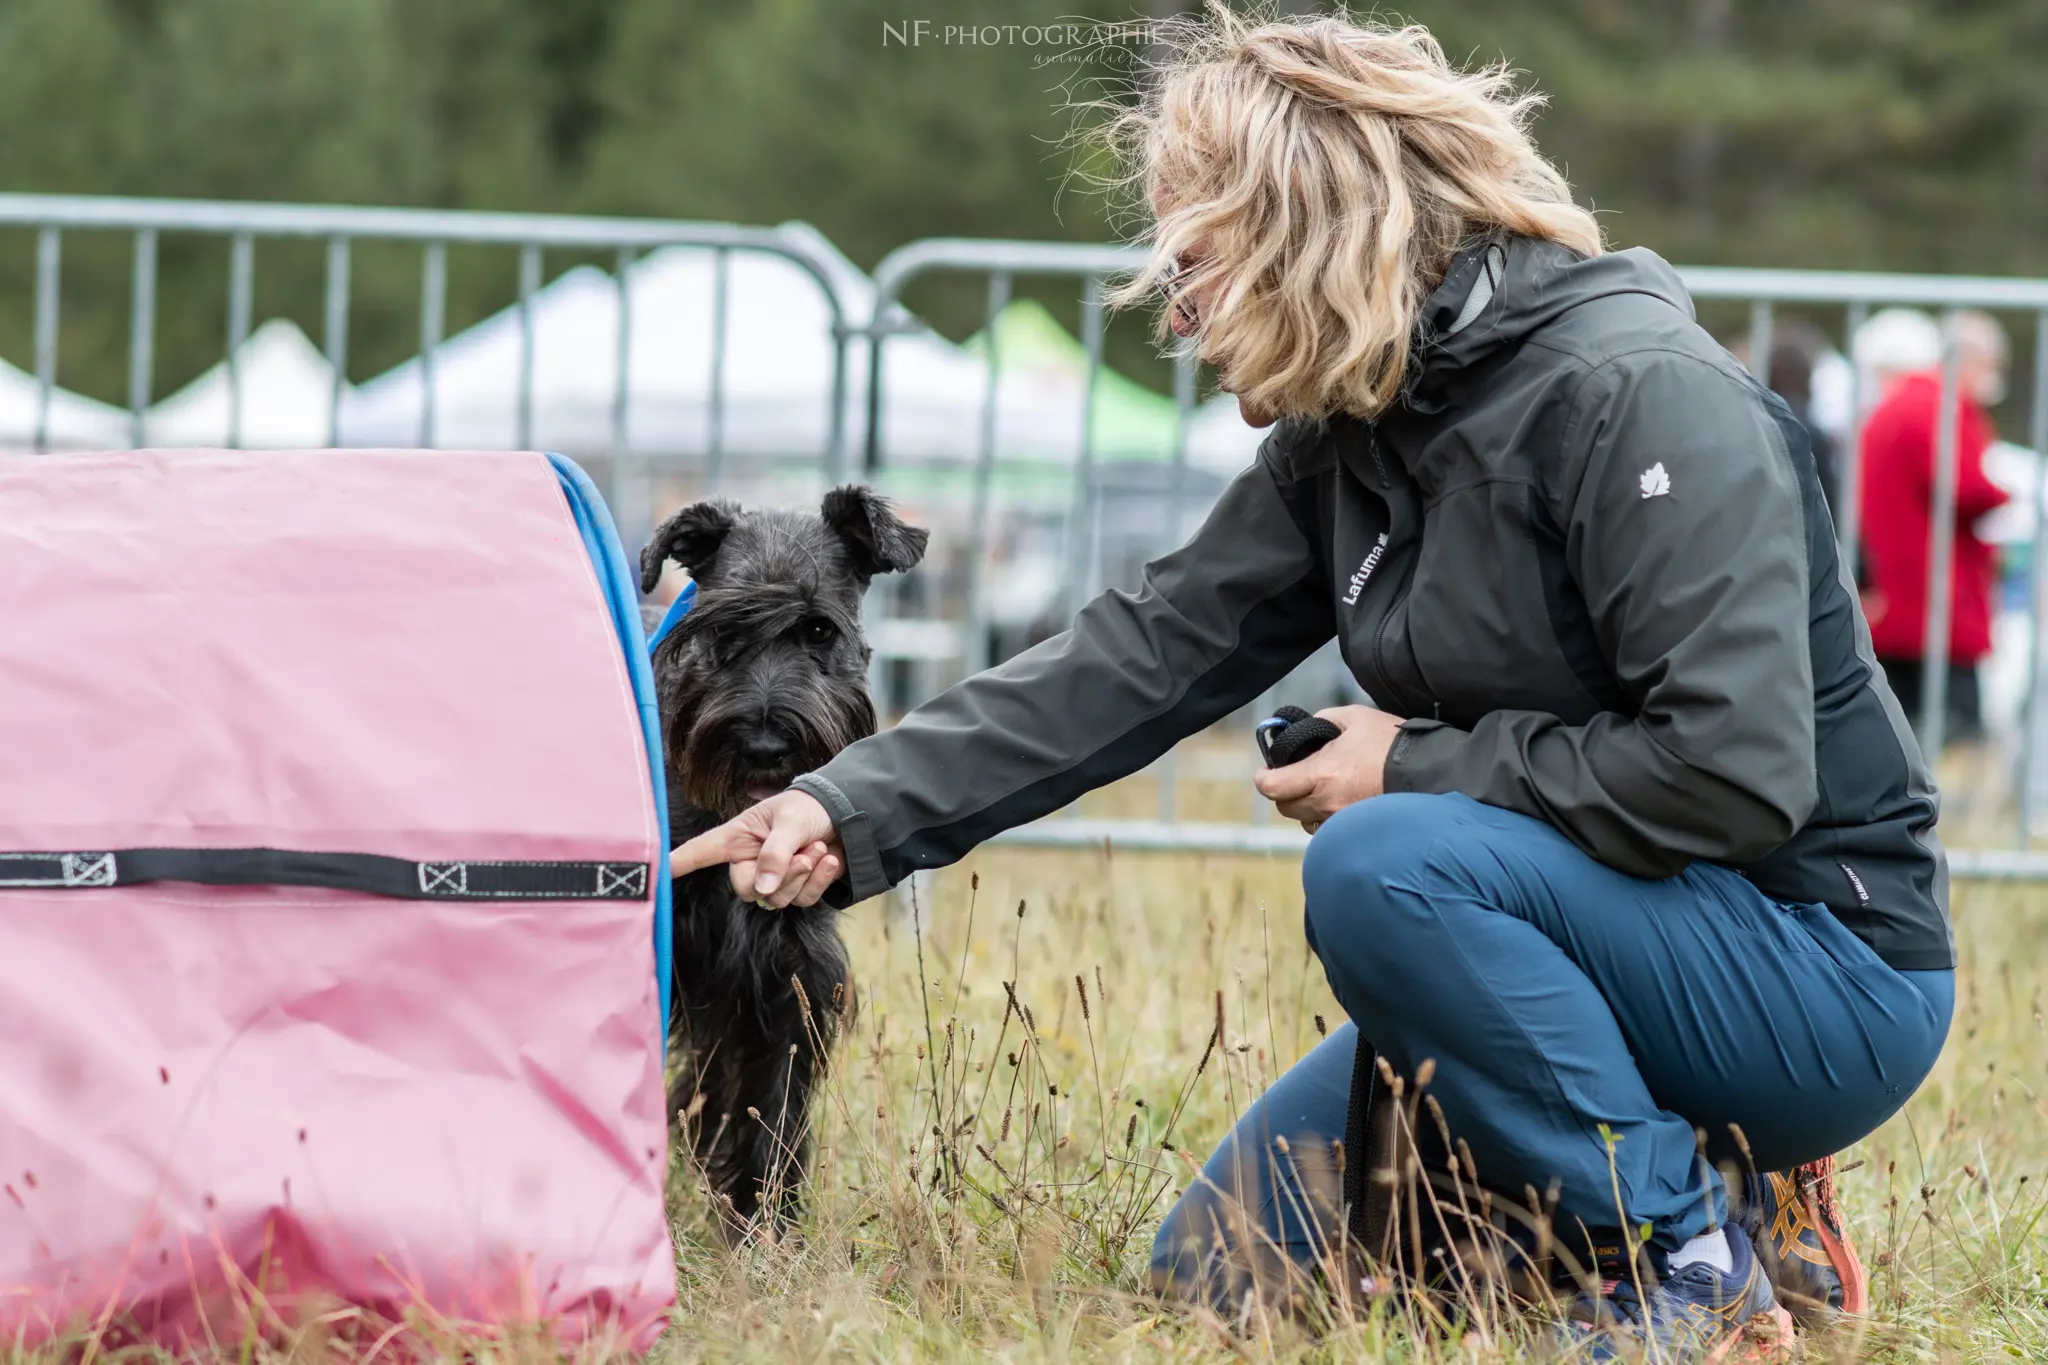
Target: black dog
{"points": [[763, 679]]}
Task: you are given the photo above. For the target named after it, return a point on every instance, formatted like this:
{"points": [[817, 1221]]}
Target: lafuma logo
{"points": [[1371, 562], [1855, 882]]}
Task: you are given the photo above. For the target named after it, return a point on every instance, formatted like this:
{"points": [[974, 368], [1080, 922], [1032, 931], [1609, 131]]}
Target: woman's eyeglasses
{"points": [[1174, 284]]}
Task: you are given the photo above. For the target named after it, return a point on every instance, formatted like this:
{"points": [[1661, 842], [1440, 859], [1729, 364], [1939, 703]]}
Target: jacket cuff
{"points": [[1415, 761], [864, 875]]}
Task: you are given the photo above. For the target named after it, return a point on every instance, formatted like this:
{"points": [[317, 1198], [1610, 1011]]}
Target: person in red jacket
{"points": [[1898, 451]]}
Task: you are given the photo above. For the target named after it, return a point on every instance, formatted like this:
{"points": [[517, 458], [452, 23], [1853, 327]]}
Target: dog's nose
{"points": [[764, 747]]}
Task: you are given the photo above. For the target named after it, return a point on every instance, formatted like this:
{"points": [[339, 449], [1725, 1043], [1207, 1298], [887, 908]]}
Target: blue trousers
{"points": [[1557, 998]]}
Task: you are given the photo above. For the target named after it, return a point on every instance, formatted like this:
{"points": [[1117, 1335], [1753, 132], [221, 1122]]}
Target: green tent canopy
{"points": [[1127, 421]]}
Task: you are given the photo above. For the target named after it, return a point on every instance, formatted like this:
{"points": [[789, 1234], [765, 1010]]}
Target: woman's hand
{"points": [[782, 852], [1351, 767]]}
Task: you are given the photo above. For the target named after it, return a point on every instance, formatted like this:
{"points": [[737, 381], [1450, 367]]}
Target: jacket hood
{"points": [[1500, 290]]}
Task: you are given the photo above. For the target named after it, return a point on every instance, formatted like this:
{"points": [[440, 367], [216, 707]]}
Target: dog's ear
{"points": [[877, 540], [691, 538]]}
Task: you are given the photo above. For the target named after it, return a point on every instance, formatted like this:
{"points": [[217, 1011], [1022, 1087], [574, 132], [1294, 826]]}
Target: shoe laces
{"points": [[1620, 1301], [1817, 1181], [1614, 1304]]}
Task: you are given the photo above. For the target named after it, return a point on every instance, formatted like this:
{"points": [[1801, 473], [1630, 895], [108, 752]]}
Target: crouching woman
{"points": [[1634, 843]]}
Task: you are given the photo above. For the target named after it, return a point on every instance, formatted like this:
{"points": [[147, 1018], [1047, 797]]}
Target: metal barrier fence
{"points": [[1003, 262], [1855, 293], [1288, 841], [242, 226], [1763, 290]]}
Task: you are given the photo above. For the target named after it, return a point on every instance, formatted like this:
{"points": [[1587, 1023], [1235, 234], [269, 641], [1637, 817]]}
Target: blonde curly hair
{"points": [[1314, 178]]}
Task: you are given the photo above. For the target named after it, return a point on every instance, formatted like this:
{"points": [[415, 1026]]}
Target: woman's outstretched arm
{"points": [[1214, 624]]}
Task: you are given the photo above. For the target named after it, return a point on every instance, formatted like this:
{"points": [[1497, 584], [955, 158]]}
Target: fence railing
{"points": [[1764, 291], [1855, 293], [1003, 262], [1288, 841], [243, 227]]}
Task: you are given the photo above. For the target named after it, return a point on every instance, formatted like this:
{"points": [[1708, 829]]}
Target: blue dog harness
{"points": [[677, 610]]}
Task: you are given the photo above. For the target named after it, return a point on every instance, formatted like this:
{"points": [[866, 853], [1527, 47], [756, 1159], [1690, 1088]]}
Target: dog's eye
{"points": [[818, 631]]}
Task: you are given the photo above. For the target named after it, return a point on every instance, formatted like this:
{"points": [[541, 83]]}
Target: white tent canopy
{"points": [[1132, 423], [776, 370], [74, 422], [286, 386]]}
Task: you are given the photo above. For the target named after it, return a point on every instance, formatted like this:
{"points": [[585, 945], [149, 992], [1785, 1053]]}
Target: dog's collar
{"points": [[676, 611]]}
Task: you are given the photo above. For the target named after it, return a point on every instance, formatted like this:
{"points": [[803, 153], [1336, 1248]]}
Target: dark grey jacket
{"points": [[1587, 558]]}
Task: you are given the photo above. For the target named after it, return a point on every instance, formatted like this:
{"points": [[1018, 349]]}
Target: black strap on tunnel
{"points": [[369, 873]]}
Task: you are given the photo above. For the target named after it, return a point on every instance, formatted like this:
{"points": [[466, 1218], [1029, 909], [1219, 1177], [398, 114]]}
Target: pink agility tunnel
{"points": [[328, 831]]}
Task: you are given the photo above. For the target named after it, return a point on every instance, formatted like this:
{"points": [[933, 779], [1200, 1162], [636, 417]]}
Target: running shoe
{"points": [[1695, 1314], [1796, 1223]]}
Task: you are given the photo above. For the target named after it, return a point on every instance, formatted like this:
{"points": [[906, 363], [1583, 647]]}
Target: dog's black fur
{"points": [[764, 678]]}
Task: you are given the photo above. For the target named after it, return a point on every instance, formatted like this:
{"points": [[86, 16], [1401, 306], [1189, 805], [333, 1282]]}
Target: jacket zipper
{"points": [[1379, 636], [1372, 444]]}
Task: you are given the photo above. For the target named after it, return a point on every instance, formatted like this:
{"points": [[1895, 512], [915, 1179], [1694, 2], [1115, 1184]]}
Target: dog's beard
{"points": [[718, 777]]}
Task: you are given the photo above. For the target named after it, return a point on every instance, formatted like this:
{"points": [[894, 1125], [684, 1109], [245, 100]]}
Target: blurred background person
{"points": [[1835, 402], [1798, 349], [1898, 474], [1893, 343]]}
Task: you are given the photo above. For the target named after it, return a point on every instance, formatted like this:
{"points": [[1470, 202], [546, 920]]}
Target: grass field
{"points": [[969, 1209]]}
